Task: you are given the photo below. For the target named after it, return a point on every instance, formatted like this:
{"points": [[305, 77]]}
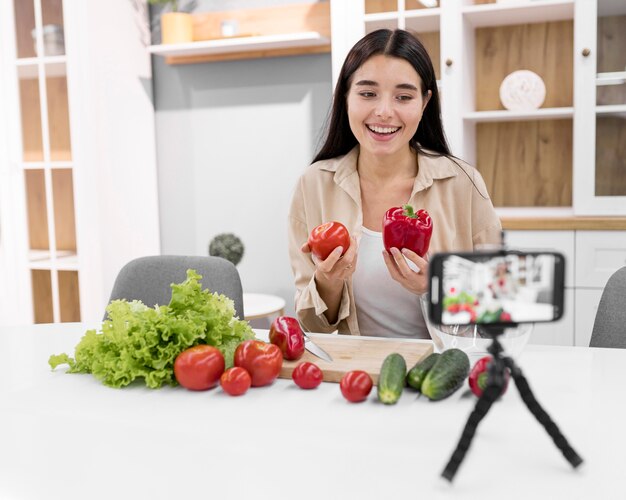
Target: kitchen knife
{"points": [[316, 350]]}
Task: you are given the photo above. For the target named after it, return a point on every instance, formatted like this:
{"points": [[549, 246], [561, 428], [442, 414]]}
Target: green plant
{"points": [[173, 4], [228, 246]]}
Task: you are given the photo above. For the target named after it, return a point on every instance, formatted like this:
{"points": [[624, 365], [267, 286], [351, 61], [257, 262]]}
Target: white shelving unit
{"points": [[235, 44], [78, 188]]}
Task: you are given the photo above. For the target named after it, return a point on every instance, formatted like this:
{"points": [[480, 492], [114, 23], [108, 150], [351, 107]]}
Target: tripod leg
{"points": [[490, 394], [541, 415]]}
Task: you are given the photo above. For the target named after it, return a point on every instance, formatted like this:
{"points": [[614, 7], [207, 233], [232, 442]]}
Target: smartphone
{"points": [[499, 288]]}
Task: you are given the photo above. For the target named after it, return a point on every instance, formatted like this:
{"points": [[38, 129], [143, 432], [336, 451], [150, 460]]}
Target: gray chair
{"points": [[149, 278], [609, 328]]}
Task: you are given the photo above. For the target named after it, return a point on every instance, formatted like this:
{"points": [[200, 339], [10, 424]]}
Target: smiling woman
{"points": [[385, 147]]}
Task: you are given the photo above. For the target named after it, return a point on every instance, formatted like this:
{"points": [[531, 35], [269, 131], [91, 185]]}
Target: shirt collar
{"points": [[430, 169]]}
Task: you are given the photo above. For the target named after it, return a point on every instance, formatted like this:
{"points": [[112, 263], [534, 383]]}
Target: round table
{"points": [[261, 305]]}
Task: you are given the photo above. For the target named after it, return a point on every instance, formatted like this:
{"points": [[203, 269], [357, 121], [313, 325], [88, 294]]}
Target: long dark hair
{"points": [[397, 43]]}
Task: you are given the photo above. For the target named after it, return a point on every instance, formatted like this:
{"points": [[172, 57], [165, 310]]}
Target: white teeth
{"points": [[383, 130]]}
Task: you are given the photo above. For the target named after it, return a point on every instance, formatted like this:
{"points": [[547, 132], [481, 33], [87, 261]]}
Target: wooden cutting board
{"points": [[358, 353]]}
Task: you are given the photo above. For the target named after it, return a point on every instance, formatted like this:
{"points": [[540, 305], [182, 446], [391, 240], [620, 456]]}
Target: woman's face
{"points": [[385, 105]]}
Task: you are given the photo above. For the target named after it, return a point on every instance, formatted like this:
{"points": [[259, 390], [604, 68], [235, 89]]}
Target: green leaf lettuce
{"points": [[137, 341]]}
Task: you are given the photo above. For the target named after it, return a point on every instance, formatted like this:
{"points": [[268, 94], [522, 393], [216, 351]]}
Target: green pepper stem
{"points": [[409, 212]]}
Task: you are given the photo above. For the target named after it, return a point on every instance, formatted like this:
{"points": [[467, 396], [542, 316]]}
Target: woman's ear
{"points": [[427, 97]]}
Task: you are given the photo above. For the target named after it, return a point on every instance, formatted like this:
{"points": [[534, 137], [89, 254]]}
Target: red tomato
{"points": [[356, 385], [328, 236], [199, 367], [307, 375], [262, 360], [235, 381]]}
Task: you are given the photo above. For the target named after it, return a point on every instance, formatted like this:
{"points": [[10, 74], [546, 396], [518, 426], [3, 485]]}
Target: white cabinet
{"points": [[565, 158], [600, 104], [598, 255], [591, 258], [560, 332], [78, 187]]}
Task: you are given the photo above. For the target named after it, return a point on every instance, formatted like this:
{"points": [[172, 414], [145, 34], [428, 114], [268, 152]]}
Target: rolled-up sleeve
{"points": [[309, 306]]}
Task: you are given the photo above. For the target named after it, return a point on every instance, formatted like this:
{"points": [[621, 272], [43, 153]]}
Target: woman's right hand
{"points": [[336, 268]]}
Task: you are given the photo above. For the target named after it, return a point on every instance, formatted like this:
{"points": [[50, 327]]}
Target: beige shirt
{"points": [[454, 195]]}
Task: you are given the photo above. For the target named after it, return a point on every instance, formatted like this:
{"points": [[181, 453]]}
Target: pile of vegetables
{"points": [[139, 342]]}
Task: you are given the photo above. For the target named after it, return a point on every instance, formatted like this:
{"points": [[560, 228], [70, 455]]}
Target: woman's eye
{"points": [[367, 94], [405, 97]]}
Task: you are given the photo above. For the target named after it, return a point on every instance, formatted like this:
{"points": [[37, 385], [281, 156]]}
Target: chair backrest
{"points": [[609, 328], [149, 278]]}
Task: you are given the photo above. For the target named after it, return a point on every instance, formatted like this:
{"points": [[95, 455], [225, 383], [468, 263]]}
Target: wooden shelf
{"points": [[508, 116], [522, 12], [267, 45], [564, 223], [278, 31]]}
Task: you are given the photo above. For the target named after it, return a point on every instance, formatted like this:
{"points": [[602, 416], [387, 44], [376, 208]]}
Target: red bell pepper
{"points": [[403, 228], [285, 332], [478, 376]]}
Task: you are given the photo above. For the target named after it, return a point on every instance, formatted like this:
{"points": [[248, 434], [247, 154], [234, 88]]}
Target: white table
{"points": [[69, 437], [262, 305]]}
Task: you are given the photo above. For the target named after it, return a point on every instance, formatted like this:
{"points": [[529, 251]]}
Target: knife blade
{"points": [[316, 350]]}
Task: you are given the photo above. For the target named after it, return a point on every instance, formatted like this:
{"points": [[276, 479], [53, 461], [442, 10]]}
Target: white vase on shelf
{"points": [[522, 90]]}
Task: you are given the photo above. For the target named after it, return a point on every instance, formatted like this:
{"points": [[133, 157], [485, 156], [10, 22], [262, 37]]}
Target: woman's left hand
{"points": [[413, 281]]}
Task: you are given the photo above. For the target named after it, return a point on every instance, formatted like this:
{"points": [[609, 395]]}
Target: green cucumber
{"points": [[447, 375], [391, 379], [418, 373]]}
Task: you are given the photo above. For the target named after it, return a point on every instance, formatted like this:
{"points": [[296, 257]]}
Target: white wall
{"points": [[232, 139]]}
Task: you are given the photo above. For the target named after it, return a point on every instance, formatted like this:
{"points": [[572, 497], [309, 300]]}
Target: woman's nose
{"points": [[383, 108]]}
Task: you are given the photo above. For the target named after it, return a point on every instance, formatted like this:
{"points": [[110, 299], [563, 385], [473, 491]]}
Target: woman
{"points": [[385, 147]]}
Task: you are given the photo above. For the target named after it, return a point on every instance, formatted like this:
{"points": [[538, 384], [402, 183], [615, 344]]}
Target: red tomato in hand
{"points": [[263, 361], [328, 236], [235, 381], [199, 367], [307, 375], [356, 385]]}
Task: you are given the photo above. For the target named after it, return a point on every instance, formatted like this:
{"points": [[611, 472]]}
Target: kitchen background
{"points": [[108, 152]]}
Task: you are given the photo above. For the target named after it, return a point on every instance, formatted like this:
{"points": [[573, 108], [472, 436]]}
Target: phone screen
{"points": [[496, 288]]}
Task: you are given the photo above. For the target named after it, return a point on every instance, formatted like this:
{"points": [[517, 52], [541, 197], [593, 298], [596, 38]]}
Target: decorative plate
{"points": [[522, 90]]}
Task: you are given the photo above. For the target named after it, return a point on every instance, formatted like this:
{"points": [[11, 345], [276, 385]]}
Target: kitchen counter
{"points": [[69, 437]]}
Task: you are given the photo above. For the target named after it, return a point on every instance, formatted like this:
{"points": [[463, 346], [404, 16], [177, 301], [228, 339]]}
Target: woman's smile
{"points": [[385, 105], [382, 132]]}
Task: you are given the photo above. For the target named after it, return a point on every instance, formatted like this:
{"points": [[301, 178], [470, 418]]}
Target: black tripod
{"points": [[495, 385]]}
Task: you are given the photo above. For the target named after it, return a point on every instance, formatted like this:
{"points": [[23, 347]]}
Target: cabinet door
{"points": [[598, 255], [560, 332], [586, 301], [600, 102]]}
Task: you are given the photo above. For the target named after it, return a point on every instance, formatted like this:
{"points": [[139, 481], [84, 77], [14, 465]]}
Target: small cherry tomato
{"points": [[199, 367], [356, 385], [328, 236], [307, 375], [263, 361], [235, 381]]}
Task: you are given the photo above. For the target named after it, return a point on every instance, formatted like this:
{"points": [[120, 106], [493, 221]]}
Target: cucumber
{"points": [[447, 375], [391, 379], [417, 374]]}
